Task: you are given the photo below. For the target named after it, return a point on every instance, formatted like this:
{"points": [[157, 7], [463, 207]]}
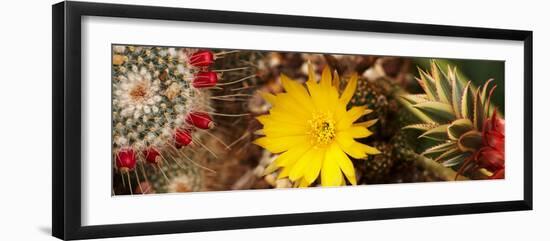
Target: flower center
{"points": [[322, 129], [138, 92]]}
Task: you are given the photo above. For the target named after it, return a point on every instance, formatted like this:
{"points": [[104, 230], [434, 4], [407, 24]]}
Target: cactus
{"points": [[459, 122], [163, 112]]}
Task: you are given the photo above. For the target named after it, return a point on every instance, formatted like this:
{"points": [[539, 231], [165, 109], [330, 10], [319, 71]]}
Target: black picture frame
{"points": [[66, 167]]}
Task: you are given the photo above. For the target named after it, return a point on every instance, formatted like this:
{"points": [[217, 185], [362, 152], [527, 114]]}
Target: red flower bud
{"points": [[152, 155], [205, 79], [182, 137], [126, 160], [200, 120], [202, 58]]}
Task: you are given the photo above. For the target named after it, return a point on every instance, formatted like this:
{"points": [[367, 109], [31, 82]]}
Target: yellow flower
{"points": [[313, 132]]}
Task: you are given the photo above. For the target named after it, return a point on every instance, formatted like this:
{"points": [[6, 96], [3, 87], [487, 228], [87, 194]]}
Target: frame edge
{"points": [[66, 221], [58, 165]]}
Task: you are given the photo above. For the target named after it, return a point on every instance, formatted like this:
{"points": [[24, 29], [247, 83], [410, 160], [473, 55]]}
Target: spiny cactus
{"points": [[457, 119], [162, 110]]}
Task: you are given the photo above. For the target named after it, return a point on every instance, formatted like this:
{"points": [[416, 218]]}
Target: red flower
{"points": [[182, 137], [202, 58], [200, 120], [491, 155], [125, 160], [152, 155], [205, 79]]}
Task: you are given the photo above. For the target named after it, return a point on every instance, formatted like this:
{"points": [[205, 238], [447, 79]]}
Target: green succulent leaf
{"points": [[435, 70], [467, 102], [443, 88], [470, 141], [437, 111], [438, 133], [487, 103], [421, 127], [456, 94], [479, 116], [428, 84], [449, 154], [439, 148], [484, 92], [415, 99], [456, 160], [459, 127]]}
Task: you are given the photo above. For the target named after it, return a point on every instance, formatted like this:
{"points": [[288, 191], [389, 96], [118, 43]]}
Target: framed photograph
{"points": [[169, 120]]}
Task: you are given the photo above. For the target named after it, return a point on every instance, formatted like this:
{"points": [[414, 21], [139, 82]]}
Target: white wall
{"points": [[25, 137]]}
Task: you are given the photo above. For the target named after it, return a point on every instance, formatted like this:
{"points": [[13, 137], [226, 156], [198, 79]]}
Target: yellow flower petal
{"points": [[290, 157], [303, 183], [314, 166], [330, 172], [350, 116], [334, 152], [280, 115], [357, 132], [316, 93], [280, 144], [366, 148], [286, 102], [326, 79], [349, 90], [366, 124], [299, 169], [336, 80], [298, 92], [269, 122], [354, 148], [282, 130], [285, 171], [310, 72]]}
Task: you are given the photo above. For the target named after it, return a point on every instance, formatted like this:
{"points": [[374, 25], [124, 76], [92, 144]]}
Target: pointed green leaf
{"points": [[443, 84], [467, 107], [479, 116], [470, 141], [421, 127], [448, 154], [415, 99], [438, 133], [456, 94], [428, 84], [437, 111], [455, 160], [443, 88], [454, 75], [439, 148], [459, 127], [435, 71], [487, 103], [484, 92]]}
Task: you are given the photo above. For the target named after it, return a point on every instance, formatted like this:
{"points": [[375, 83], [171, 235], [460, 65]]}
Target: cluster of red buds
{"points": [[205, 78], [491, 155], [126, 158]]}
